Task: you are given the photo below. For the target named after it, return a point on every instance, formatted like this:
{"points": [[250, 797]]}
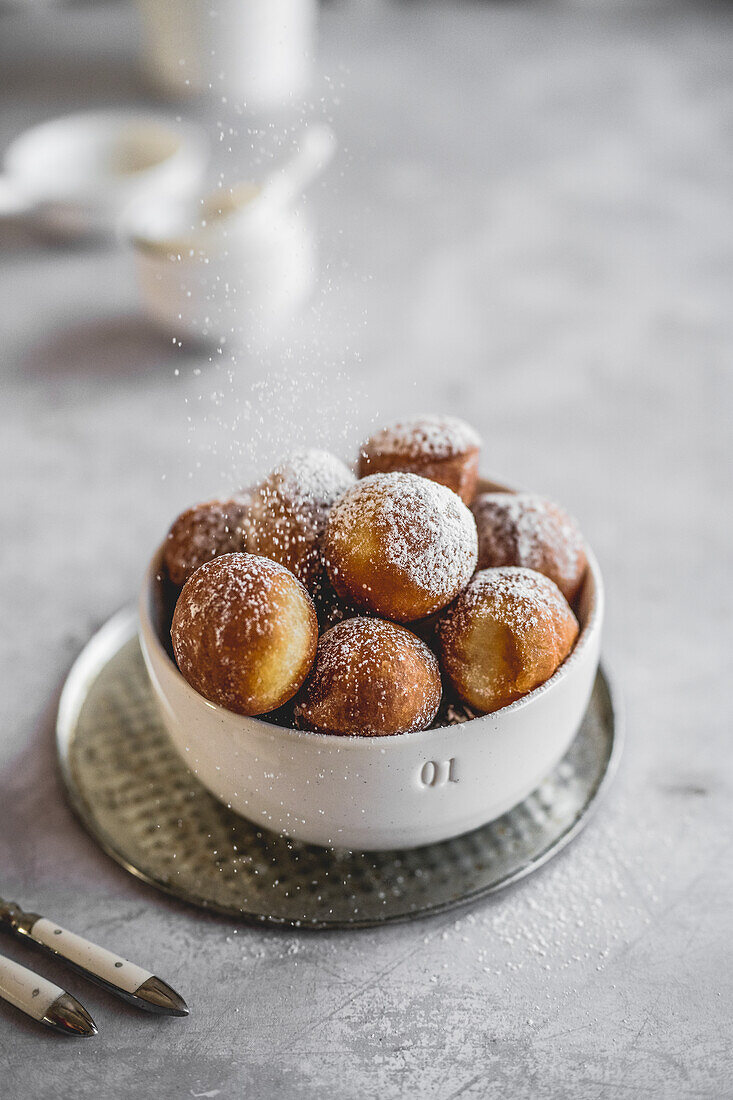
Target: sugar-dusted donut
{"points": [[204, 532], [372, 678], [528, 530], [400, 546], [442, 448], [504, 636], [291, 508], [244, 633]]}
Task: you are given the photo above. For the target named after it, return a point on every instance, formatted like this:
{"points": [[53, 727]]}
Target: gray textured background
{"points": [[529, 224]]}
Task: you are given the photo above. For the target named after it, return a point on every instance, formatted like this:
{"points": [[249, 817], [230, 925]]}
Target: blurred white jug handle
{"points": [[287, 183], [316, 148]]}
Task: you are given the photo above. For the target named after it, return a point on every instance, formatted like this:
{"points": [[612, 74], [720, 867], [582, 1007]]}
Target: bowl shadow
{"points": [[122, 348]]}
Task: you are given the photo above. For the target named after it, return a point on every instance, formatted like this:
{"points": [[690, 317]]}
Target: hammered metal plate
{"points": [[147, 811]]}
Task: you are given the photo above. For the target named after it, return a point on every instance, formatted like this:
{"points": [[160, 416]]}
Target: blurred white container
{"points": [[231, 268], [75, 175], [225, 290], [255, 52]]}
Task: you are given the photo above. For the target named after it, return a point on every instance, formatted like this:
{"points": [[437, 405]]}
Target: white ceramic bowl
{"points": [[371, 793]]}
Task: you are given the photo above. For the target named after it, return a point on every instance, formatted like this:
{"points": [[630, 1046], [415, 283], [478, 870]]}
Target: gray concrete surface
{"points": [[530, 225]]}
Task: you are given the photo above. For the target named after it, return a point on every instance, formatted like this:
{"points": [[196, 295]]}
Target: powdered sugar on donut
{"points": [[363, 645], [204, 532], [427, 533], [520, 598], [244, 633], [291, 510], [504, 636], [375, 671], [427, 436], [221, 587], [528, 530], [310, 481]]}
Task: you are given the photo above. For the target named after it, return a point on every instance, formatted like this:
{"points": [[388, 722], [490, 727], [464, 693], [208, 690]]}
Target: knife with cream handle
{"points": [[43, 1001], [125, 979]]}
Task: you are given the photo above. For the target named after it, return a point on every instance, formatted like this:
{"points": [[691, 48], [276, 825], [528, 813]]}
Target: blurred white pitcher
{"points": [[255, 52], [232, 267]]}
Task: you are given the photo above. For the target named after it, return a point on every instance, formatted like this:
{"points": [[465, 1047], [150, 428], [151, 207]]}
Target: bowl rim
{"points": [[352, 742]]}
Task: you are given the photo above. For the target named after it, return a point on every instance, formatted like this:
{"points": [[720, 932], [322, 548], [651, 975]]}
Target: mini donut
{"points": [[372, 678], [244, 633], [291, 508], [204, 532], [400, 546], [441, 448], [528, 530], [504, 636]]}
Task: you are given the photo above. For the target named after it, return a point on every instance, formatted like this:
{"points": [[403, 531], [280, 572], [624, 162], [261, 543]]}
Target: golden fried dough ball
{"points": [[204, 532], [400, 546], [244, 633], [441, 448], [370, 678], [504, 636], [291, 509], [528, 530]]}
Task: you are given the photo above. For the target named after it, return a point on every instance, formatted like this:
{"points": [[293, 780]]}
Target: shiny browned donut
{"points": [[291, 509], [504, 636], [204, 532], [528, 530], [441, 448], [370, 678], [400, 546], [244, 633]]}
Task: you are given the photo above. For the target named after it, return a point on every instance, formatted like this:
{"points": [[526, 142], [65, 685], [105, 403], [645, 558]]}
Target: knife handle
{"points": [[96, 962], [26, 990]]}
